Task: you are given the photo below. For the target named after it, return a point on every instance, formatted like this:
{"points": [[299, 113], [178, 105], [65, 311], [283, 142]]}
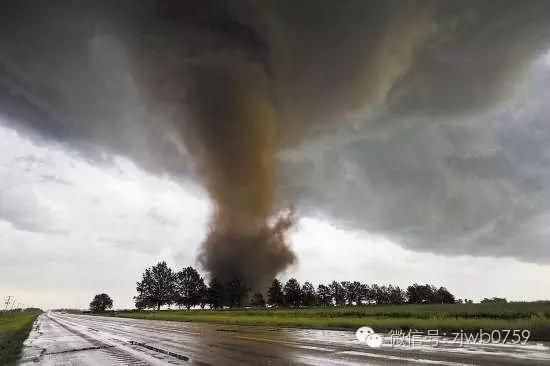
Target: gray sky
{"points": [[421, 157], [471, 185], [71, 226]]}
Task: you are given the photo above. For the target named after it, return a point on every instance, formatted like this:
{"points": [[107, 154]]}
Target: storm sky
{"points": [[71, 228], [413, 143]]}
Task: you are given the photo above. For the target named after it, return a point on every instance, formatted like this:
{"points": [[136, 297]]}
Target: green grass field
{"points": [[446, 318], [14, 329]]}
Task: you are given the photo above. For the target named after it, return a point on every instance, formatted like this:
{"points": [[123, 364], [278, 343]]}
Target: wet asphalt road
{"points": [[66, 339]]}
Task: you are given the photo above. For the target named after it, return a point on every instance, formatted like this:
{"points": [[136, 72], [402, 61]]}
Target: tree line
{"points": [[160, 286]]}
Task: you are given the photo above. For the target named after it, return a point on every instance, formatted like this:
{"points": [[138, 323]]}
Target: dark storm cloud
{"points": [[396, 99], [475, 187], [482, 51]]}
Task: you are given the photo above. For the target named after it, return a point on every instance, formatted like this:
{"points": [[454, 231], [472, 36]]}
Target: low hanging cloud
{"points": [[19, 206], [417, 120], [467, 186], [25, 213]]}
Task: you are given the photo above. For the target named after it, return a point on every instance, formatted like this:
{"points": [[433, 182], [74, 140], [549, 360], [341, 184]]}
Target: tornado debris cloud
{"points": [[235, 125], [260, 97]]}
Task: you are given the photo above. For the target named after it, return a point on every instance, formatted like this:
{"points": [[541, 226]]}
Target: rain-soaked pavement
{"points": [[66, 339]]}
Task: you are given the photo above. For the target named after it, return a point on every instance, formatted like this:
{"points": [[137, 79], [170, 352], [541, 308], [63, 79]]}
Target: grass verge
{"points": [[14, 329], [446, 318]]}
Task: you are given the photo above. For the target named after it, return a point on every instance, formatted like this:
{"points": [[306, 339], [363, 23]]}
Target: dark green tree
{"points": [[203, 294], [421, 294], [100, 303], [345, 286], [338, 293], [188, 287], [353, 292], [357, 292], [215, 294], [324, 295], [257, 300], [377, 294], [275, 294], [236, 292], [293, 292], [139, 303], [156, 287], [396, 295], [443, 296], [382, 295], [309, 297], [366, 294]]}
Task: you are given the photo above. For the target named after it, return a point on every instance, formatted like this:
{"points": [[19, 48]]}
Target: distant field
{"points": [[14, 329], [445, 318]]}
